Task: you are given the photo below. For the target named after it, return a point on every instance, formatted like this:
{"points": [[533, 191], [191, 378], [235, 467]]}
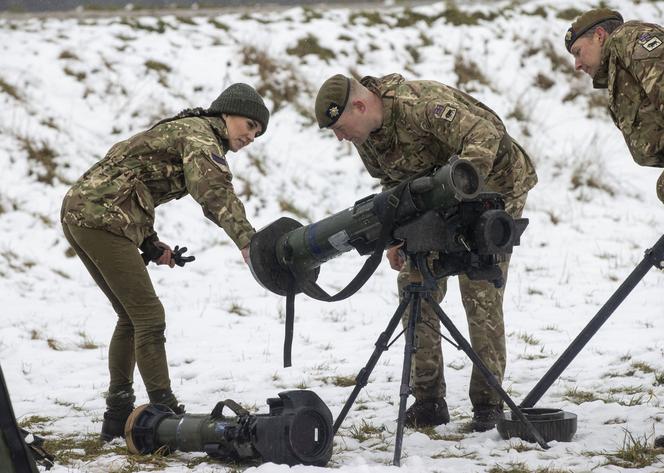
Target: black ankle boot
{"points": [[114, 423], [119, 404], [427, 413], [485, 417], [166, 398]]}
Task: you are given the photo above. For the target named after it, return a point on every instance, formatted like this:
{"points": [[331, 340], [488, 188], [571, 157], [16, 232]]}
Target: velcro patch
{"points": [[652, 43], [644, 37], [445, 112], [220, 160]]}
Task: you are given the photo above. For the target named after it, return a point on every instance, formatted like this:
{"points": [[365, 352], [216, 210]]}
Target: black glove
{"points": [[151, 252], [179, 259]]}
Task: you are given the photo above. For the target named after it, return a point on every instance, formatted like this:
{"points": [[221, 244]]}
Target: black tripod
{"points": [[416, 293]]}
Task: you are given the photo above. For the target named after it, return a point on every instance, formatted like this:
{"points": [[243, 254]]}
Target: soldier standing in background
{"points": [[109, 213], [402, 128], [628, 60]]}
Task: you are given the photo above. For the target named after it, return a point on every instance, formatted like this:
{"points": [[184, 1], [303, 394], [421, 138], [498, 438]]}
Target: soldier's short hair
{"points": [[609, 26]]}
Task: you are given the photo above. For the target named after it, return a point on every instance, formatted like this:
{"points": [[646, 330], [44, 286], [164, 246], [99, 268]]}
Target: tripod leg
{"points": [[653, 257], [404, 391], [488, 375], [381, 346]]}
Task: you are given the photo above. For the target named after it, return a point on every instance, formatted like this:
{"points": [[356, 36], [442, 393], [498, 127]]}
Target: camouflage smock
{"points": [[426, 122], [632, 69], [185, 156]]}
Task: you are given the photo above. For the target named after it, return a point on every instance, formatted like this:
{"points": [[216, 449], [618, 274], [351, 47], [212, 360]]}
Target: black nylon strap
{"points": [[17, 448], [314, 291], [217, 412], [290, 320]]}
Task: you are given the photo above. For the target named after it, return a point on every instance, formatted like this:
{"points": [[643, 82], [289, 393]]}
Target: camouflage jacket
{"points": [[186, 156], [426, 122], [632, 69]]}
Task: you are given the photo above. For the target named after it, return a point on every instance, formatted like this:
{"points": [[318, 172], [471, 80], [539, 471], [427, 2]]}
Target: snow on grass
{"points": [[73, 87]]}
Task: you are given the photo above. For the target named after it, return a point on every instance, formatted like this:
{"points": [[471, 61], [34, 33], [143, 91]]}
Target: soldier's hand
{"points": [[179, 258], [396, 257], [167, 256], [245, 254]]}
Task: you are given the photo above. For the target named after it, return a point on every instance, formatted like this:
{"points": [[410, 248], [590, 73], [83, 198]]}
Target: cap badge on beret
{"points": [[568, 35], [332, 110]]}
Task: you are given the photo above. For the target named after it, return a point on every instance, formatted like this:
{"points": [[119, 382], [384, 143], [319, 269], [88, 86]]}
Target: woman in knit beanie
{"points": [[109, 214]]}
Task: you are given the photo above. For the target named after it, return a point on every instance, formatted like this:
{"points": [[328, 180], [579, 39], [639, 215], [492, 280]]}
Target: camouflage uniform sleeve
{"points": [[371, 164], [472, 137], [646, 64], [641, 55], [208, 180]]}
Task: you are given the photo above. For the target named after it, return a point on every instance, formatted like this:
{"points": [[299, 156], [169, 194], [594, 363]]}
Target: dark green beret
{"points": [[331, 100], [588, 20]]}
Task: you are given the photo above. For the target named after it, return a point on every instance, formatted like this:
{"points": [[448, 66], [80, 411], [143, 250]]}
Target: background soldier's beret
{"points": [[331, 100], [588, 20], [242, 99]]}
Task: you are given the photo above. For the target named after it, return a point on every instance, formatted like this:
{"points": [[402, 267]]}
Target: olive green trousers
{"points": [[118, 269]]}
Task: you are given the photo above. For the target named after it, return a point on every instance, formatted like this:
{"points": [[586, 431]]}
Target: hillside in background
{"points": [[70, 88]]}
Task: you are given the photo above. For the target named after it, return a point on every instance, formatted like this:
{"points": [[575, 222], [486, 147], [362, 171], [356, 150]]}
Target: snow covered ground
{"points": [[71, 88]]}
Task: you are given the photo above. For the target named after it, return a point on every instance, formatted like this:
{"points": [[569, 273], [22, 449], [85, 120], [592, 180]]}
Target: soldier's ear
{"points": [[359, 105], [601, 34]]}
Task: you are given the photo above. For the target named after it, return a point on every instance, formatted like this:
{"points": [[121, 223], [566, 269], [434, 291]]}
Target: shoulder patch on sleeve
{"points": [[445, 112], [648, 41], [644, 37], [220, 160], [652, 43]]}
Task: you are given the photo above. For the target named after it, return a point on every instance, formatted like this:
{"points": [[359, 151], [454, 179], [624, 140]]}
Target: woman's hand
{"points": [[245, 254], [395, 256], [167, 256]]}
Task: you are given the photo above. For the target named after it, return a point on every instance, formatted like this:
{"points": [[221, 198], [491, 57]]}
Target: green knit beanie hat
{"points": [[242, 99]]}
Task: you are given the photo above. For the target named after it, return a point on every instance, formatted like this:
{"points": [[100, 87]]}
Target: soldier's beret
{"points": [[332, 99], [588, 20]]}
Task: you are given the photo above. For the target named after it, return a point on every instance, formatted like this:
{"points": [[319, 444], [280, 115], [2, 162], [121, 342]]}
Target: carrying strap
{"points": [[232, 405], [314, 291], [290, 321]]}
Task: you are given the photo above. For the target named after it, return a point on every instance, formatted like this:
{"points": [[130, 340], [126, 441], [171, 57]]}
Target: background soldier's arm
{"points": [[647, 67], [644, 60], [208, 180], [641, 57]]}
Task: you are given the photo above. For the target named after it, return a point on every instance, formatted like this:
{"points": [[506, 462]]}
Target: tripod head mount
{"points": [[471, 238]]}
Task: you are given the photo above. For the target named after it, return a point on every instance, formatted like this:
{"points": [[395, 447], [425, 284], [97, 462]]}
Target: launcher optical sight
{"points": [[445, 212]]}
